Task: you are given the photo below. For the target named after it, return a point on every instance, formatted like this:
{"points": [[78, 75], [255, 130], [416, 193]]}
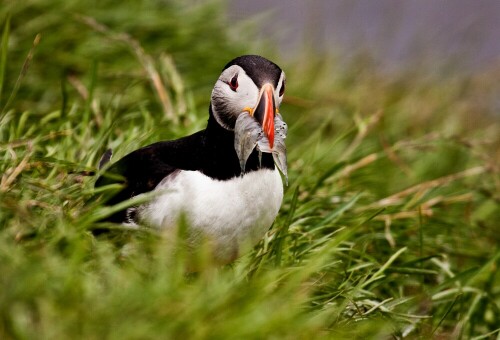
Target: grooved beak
{"points": [[265, 110]]}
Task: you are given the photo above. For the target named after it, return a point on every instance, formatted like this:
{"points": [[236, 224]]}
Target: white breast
{"points": [[232, 214]]}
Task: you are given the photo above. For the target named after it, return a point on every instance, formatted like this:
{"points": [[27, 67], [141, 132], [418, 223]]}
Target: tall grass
{"points": [[389, 227]]}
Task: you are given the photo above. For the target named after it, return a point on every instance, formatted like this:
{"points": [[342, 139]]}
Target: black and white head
{"points": [[250, 84]]}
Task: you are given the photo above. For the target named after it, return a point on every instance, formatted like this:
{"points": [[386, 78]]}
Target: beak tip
{"points": [[271, 139]]}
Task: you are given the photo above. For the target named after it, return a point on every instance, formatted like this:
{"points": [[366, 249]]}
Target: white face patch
{"points": [[228, 101]]}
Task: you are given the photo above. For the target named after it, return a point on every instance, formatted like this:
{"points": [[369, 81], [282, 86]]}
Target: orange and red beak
{"points": [[265, 111]]}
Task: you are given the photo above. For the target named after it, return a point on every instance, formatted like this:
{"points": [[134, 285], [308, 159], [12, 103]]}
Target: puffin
{"points": [[225, 182]]}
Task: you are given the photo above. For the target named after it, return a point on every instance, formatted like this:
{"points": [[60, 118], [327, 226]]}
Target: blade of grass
{"points": [[487, 335], [4, 45], [284, 229], [22, 74], [448, 310], [106, 211], [334, 215], [379, 273]]}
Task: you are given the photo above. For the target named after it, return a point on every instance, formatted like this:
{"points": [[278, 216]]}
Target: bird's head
{"points": [[250, 84]]}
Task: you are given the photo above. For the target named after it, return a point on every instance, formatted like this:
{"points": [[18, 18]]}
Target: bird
{"points": [[225, 180]]}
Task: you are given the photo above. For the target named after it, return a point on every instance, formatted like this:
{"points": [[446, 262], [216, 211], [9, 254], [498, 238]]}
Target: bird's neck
{"points": [[218, 136], [221, 161]]}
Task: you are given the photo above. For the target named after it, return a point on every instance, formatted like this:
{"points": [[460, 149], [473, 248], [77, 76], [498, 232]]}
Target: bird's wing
{"points": [[142, 170]]}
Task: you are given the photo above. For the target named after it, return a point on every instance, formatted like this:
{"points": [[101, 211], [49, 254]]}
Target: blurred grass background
{"points": [[389, 227]]}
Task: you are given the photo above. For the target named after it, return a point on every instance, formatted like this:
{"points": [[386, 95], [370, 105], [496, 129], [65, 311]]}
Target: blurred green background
{"points": [[389, 226]]}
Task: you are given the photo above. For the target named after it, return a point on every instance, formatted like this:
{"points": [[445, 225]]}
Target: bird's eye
{"points": [[233, 83], [282, 89]]}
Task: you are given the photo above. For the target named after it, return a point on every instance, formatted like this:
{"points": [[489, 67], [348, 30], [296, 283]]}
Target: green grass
{"points": [[389, 226]]}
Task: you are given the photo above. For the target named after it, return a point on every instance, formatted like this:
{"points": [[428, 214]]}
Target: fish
{"points": [[248, 135]]}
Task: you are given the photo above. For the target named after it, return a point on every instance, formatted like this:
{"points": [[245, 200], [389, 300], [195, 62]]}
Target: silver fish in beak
{"points": [[250, 134]]}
